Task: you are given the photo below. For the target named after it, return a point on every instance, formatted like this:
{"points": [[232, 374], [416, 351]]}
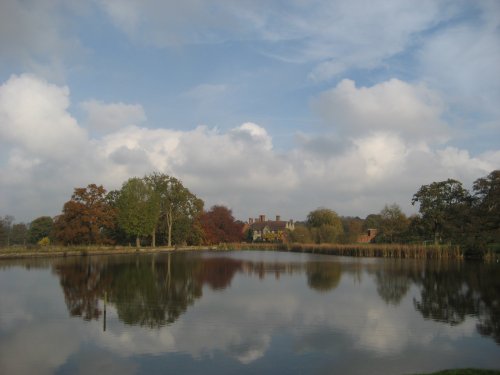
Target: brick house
{"points": [[368, 237], [269, 230]]}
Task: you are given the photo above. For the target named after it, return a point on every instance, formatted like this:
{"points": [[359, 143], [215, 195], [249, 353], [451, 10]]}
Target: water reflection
{"points": [[323, 276], [153, 291], [247, 312], [452, 291], [449, 292]]}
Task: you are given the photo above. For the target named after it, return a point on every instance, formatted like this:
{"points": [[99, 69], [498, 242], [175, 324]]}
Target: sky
{"points": [[268, 107]]}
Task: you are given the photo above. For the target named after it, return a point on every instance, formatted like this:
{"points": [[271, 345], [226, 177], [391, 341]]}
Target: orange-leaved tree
{"points": [[84, 217]]}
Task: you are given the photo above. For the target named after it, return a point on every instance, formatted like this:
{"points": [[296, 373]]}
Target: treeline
{"points": [[154, 210], [159, 210], [448, 214]]}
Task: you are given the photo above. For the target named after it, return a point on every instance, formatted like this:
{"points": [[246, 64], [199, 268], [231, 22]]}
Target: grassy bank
{"points": [[63, 251]]}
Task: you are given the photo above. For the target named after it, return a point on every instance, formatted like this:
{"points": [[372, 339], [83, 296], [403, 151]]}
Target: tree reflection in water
{"points": [[449, 291], [452, 291], [394, 278], [156, 290], [323, 276], [152, 291], [83, 283]]}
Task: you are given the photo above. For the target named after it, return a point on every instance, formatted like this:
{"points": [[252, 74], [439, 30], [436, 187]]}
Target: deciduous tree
{"points": [[19, 234], [177, 205], [138, 208], [39, 228], [487, 206], [6, 230], [300, 234], [440, 203], [325, 225], [85, 216], [393, 222], [219, 225]]}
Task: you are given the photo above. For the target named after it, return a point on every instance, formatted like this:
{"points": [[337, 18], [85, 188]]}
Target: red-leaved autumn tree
{"points": [[219, 226]]}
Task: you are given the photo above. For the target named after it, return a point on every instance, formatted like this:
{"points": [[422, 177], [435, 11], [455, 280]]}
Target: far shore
{"points": [[64, 251], [354, 250]]}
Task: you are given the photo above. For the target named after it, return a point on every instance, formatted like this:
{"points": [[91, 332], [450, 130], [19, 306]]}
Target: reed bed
{"points": [[365, 250], [409, 251]]}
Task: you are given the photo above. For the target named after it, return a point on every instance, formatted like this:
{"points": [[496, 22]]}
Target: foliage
{"points": [[19, 234], [322, 216], [177, 207], [450, 213], [301, 234], [353, 227], [219, 226], [325, 225], [84, 217], [6, 230], [39, 228], [138, 208], [487, 206], [393, 223], [372, 221], [45, 241], [440, 204]]}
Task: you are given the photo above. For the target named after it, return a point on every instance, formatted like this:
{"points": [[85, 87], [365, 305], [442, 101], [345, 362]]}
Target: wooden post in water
{"points": [[104, 317]]}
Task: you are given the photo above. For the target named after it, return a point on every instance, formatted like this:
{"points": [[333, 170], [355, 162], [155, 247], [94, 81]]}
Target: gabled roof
{"points": [[271, 224]]}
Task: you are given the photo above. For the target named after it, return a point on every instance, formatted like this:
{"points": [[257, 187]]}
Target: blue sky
{"points": [[273, 107]]}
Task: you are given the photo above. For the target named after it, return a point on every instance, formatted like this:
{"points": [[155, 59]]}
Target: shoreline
{"points": [[93, 250], [398, 251]]}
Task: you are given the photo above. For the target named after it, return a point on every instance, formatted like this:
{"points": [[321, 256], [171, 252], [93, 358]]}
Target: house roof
{"points": [[273, 225]]}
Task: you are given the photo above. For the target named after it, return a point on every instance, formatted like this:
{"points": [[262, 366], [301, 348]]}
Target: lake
{"points": [[246, 312]]}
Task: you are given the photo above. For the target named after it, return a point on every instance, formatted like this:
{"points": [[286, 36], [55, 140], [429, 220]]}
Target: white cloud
{"points": [[411, 111], [376, 158], [382, 154], [34, 118], [105, 117]]}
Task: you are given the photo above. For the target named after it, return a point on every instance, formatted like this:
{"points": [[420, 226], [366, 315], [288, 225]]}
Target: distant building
{"points": [[368, 237], [263, 230]]}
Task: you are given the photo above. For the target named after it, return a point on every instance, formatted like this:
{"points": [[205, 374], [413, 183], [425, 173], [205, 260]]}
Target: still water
{"points": [[246, 312]]}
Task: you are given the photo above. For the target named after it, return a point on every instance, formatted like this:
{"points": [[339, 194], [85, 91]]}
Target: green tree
{"points": [[6, 230], [177, 207], [39, 228], [487, 207], [440, 206], [138, 208], [19, 234], [325, 225], [115, 233], [353, 227], [300, 234], [393, 222], [372, 221]]}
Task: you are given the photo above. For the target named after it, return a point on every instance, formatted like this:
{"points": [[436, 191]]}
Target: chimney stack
{"points": [[278, 218], [250, 221], [262, 218]]}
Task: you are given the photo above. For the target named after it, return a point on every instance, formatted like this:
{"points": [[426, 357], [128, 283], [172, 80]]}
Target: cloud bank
{"points": [[385, 141]]}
